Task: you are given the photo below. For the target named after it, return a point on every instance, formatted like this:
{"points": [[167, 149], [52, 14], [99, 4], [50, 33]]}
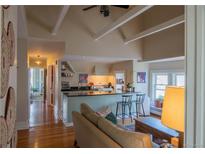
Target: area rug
{"points": [[130, 127]]}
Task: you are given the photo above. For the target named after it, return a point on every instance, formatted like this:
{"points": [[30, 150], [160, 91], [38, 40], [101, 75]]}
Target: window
{"points": [[179, 79], [159, 82]]}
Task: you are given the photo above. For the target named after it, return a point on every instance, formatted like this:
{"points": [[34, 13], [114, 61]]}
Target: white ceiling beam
{"points": [[168, 24], [61, 16], [136, 11], [179, 58]]}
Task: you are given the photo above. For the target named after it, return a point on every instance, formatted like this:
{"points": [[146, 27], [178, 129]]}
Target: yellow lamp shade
{"points": [[173, 108]]}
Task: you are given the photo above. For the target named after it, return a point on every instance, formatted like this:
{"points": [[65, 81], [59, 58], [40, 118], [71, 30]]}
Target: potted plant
{"points": [[129, 87], [159, 101]]}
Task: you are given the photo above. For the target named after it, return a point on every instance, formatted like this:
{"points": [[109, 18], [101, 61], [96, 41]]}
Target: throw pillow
{"points": [[104, 111], [111, 117]]}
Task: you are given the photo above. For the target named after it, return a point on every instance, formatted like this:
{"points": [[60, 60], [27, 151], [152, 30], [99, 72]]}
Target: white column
{"points": [[195, 73]]}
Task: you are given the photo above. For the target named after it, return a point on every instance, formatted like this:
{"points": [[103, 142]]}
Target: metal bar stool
{"points": [[126, 101], [140, 102]]}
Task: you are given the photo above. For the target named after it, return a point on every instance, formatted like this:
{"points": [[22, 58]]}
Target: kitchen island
{"points": [[95, 99]]}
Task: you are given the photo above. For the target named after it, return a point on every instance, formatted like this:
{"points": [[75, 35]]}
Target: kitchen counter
{"points": [[94, 93]]}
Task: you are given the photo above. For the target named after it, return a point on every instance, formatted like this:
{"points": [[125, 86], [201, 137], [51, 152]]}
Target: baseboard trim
{"points": [[21, 125], [68, 124]]}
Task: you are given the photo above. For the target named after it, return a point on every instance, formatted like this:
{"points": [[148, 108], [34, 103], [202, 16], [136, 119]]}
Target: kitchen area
{"points": [[98, 85]]}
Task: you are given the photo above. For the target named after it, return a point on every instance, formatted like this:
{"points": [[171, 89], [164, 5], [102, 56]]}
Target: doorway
{"points": [[37, 94], [120, 81], [37, 85]]}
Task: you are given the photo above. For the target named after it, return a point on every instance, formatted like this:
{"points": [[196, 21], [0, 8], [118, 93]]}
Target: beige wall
{"points": [[87, 67], [167, 43], [126, 67], [47, 49], [101, 79]]}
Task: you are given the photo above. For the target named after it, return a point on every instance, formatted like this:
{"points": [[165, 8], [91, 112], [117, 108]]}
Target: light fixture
{"points": [[38, 62], [173, 111]]}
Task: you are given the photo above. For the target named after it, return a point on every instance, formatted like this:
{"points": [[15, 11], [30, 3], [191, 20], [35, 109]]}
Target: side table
{"points": [[154, 126]]}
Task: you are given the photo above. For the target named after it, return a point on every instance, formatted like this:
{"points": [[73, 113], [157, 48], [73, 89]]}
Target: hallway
{"points": [[41, 114]]}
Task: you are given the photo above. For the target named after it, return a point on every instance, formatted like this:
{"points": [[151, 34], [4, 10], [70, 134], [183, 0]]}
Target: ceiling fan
{"points": [[105, 9]]}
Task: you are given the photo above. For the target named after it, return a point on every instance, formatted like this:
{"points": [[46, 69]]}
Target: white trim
{"points": [[61, 16], [168, 24], [171, 80], [68, 124], [163, 60], [136, 11], [200, 92], [167, 71], [21, 125]]}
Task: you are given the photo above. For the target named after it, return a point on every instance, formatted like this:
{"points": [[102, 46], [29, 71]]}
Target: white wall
{"points": [[142, 87], [141, 67]]}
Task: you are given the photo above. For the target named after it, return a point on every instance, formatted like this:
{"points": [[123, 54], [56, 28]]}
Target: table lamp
{"points": [[173, 110]]}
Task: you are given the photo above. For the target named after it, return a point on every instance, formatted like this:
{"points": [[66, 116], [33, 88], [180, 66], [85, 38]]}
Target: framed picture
{"points": [[141, 77], [83, 78]]}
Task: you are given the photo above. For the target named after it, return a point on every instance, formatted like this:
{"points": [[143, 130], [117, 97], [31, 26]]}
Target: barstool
{"points": [[140, 101], [126, 101]]}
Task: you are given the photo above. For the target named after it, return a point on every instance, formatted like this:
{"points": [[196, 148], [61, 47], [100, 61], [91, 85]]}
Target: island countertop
{"points": [[95, 93]]}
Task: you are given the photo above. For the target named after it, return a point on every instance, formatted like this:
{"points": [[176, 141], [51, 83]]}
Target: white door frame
{"points": [[195, 73]]}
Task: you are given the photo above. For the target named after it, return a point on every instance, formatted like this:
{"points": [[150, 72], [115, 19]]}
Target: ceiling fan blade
{"points": [[122, 6], [89, 7]]}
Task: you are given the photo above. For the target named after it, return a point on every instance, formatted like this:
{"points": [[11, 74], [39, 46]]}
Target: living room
{"points": [[116, 74]]}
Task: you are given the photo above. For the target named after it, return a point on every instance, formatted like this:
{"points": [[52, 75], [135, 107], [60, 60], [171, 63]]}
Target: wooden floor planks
{"points": [[45, 131]]}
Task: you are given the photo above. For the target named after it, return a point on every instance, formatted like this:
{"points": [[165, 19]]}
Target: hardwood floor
{"points": [[46, 136], [41, 113], [46, 131]]}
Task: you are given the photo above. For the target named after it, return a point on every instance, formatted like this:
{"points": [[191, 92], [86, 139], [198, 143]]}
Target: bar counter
{"points": [[95, 99], [95, 93]]}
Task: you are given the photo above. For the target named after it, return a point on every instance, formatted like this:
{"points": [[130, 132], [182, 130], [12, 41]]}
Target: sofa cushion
{"points": [[89, 114], [125, 138], [85, 109]]}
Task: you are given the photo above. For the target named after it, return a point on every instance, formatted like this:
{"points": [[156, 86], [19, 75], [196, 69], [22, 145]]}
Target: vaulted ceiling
{"points": [[78, 28]]}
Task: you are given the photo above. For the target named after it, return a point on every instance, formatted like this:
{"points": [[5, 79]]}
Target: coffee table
{"points": [[154, 126]]}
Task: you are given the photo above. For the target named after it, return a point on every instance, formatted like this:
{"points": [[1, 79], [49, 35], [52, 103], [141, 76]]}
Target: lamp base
{"points": [[181, 139]]}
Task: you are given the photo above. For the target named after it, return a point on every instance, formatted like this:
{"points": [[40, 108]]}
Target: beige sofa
{"points": [[94, 131]]}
